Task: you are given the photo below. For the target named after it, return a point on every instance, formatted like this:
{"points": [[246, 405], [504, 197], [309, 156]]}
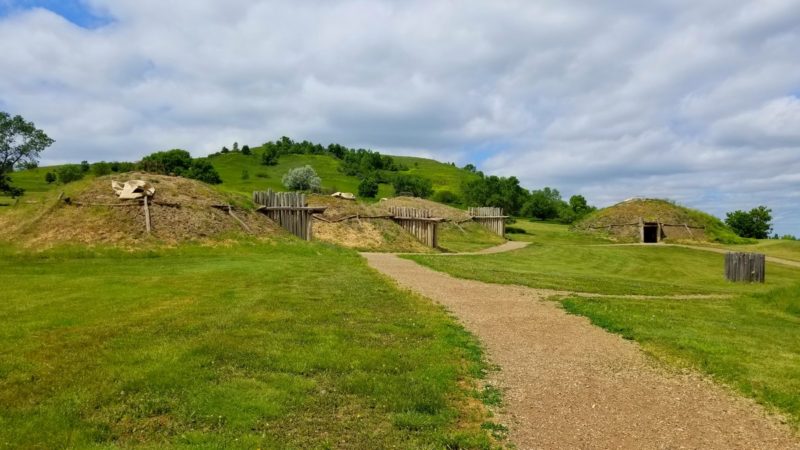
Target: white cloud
{"points": [[695, 101]]}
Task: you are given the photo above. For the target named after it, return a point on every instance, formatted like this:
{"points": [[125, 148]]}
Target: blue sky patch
{"points": [[75, 11]]}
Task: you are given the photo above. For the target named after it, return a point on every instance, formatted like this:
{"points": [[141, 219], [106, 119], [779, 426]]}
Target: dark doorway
{"points": [[650, 233]]}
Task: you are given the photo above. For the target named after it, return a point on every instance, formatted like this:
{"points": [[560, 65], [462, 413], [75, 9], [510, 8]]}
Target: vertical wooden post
{"points": [[146, 215]]}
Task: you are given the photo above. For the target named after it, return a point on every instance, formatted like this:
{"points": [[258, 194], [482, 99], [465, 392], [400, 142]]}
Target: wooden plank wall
{"points": [[419, 222], [491, 218], [749, 267], [288, 209]]}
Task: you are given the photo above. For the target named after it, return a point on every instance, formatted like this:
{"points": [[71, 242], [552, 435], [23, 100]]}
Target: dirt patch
{"points": [[189, 217], [569, 384], [438, 209]]}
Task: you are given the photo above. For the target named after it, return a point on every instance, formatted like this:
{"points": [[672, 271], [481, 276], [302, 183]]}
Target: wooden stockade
{"points": [[749, 267], [418, 222], [491, 218], [289, 210]]}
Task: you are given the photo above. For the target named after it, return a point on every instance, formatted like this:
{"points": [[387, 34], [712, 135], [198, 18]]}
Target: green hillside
{"points": [[245, 173]]}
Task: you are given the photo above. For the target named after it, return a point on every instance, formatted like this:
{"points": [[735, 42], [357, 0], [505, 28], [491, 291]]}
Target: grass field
{"points": [[284, 345], [562, 260], [750, 341]]}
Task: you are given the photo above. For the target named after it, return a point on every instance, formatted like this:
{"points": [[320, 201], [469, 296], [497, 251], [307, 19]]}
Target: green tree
{"points": [[246, 150], [202, 170], [101, 168], [368, 187], [543, 204], [175, 161], [49, 177], [85, 166], [20, 142], [270, 155], [69, 173], [302, 179], [224, 150], [235, 147], [757, 223], [413, 185]]}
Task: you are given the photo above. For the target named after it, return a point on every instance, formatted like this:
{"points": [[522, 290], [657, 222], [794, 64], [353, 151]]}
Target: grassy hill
{"points": [[233, 166]]}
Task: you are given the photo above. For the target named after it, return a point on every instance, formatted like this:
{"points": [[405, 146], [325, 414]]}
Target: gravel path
{"points": [[569, 384]]}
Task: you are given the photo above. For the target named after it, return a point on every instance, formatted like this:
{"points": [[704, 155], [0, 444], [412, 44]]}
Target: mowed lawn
{"points": [[750, 341], [285, 345]]}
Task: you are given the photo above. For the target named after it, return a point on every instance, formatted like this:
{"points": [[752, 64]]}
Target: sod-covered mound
{"points": [[181, 210], [624, 222], [367, 227]]}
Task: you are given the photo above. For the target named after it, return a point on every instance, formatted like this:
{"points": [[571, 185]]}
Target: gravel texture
{"points": [[569, 384]]}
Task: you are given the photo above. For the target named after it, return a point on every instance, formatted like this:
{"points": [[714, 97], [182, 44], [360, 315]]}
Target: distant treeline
{"points": [[506, 192], [360, 162]]}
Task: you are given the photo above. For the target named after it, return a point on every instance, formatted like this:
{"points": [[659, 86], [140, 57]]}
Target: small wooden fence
{"points": [[418, 222], [749, 267], [491, 218], [289, 210]]}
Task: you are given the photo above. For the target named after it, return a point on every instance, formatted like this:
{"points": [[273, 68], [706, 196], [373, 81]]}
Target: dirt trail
{"points": [[570, 384]]}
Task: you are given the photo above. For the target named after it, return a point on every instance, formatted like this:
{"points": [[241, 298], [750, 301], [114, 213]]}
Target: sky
{"points": [[695, 101]]}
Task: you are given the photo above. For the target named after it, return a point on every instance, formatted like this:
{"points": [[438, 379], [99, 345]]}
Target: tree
{"points": [[543, 204], [49, 177], [224, 150], [246, 150], [235, 146], [175, 161], [757, 223], [202, 170], [302, 179], [413, 185], [496, 191], [20, 142], [368, 187], [85, 166], [101, 168], [471, 168], [271, 154], [69, 173]]}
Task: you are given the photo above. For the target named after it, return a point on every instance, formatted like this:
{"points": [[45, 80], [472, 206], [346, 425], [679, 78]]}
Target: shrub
{"points": [[69, 173], [224, 150], [85, 166], [446, 197], [202, 170], [262, 175], [49, 177], [101, 168], [413, 185], [246, 150], [245, 173], [302, 179], [368, 187]]}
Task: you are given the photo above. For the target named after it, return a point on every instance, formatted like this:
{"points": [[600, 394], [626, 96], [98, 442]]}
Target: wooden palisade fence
{"points": [[418, 222], [491, 218], [288, 209], [749, 267]]}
